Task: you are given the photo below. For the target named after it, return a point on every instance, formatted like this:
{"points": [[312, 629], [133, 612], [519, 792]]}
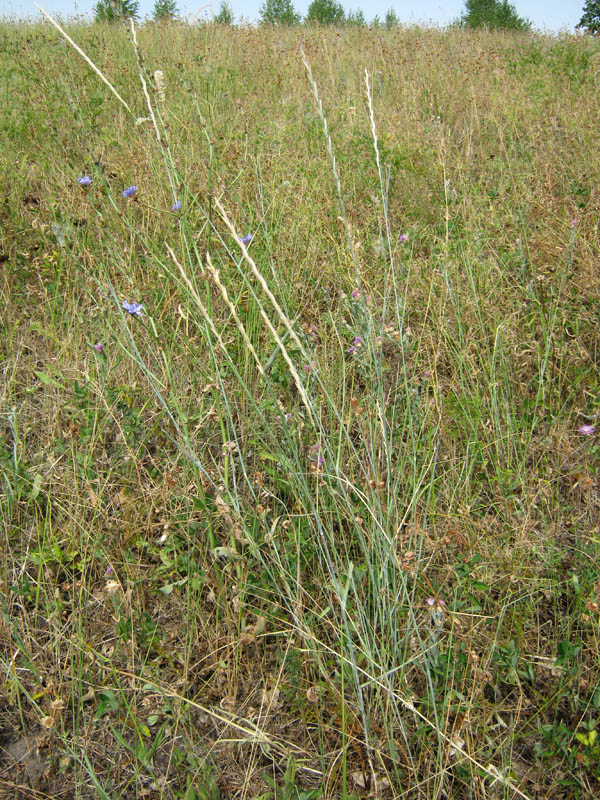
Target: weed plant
{"points": [[299, 408]]}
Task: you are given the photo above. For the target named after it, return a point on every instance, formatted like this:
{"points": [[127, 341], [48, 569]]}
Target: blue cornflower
{"points": [[135, 309], [130, 191], [247, 239], [176, 206], [85, 180]]}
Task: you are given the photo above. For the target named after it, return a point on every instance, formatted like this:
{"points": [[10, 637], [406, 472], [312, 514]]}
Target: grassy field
{"points": [[322, 519]]}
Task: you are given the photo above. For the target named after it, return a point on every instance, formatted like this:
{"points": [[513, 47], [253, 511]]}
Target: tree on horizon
{"points": [[165, 10], [224, 15], [590, 19], [356, 18], [325, 12], [279, 12], [492, 14], [391, 19], [115, 10]]}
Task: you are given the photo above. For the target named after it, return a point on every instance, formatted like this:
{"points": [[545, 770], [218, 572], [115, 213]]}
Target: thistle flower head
{"points": [[587, 430]]}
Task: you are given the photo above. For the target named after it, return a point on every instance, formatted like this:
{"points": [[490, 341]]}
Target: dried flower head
{"points": [[159, 82]]}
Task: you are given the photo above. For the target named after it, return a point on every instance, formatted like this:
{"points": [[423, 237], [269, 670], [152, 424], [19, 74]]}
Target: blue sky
{"points": [[547, 15]]}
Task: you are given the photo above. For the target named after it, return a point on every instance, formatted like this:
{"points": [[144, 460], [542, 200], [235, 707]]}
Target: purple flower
{"points": [[98, 347], [355, 294], [587, 430], [403, 238], [247, 239], [356, 343], [574, 222], [130, 191], [135, 309], [176, 206], [85, 180]]}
